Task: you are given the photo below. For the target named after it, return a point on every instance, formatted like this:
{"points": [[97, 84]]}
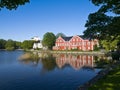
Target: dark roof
{"points": [[81, 36], [67, 38]]}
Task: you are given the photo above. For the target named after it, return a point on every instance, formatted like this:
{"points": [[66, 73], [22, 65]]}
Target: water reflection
{"points": [[75, 61], [45, 71], [49, 63], [52, 61]]}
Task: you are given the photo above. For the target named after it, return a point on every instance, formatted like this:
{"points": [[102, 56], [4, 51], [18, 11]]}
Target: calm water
{"points": [[59, 72]]}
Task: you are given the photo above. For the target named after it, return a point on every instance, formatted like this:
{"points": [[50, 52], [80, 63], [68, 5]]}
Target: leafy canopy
{"points": [[27, 44], [103, 25], [60, 34], [2, 43], [12, 4], [108, 5], [10, 45], [49, 40]]}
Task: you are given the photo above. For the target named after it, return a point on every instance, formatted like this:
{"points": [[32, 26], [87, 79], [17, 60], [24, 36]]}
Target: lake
{"points": [[54, 72]]}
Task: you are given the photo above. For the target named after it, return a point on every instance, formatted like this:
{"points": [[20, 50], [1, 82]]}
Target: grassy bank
{"points": [[79, 52], [69, 52], [111, 81]]}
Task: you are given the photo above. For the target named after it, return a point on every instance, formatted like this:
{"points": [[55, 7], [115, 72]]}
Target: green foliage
{"points": [[60, 34], [97, 25], [2, 43], [110, 44], [49, 40], [108, 5], [18, 45], [96, 48], [115, 55], [108, 82], [10, 48], [12, 4], [103, 27], [27, 44], [101, 63], [10, 45]]}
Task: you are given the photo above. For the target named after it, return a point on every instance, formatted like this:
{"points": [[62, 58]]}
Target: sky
{"points": [[41, 16]]}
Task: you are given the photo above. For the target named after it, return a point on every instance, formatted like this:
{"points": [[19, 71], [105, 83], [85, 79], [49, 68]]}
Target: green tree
{"points": [[97, 25], [12, 4], [60, 34], [18, 45], [49, 40], [110, 44], [27, 44], [100, 22], [108, 5], [103, 27], [2, 43], [10, 45]]}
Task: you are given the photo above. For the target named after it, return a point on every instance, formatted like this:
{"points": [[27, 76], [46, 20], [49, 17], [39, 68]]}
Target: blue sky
{"points": [[41, 16]]}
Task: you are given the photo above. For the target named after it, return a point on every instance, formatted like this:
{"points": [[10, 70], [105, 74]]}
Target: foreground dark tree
{"points": [[96, 25], [108, 5], [49, 40], [12, 4], [101, 26]]}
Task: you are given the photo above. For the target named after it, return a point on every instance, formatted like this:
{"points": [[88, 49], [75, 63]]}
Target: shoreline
{"points": [[79, 52], [61, 52], [95, 53], [11, 50], [99, 76]]}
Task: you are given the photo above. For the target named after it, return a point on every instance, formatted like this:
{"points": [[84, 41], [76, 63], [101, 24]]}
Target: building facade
{"points": [[74, 42], [37, 43]]}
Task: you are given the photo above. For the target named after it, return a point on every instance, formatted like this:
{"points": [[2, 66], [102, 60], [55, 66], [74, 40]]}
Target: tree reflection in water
{"points": [[48, 63], [51, 61]]}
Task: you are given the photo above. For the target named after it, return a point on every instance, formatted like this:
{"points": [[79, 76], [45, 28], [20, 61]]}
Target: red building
{"points": [[74, 42]]}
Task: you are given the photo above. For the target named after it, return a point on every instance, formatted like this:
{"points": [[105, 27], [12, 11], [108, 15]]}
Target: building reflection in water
{"points": [[50, 62], [76, 61]]}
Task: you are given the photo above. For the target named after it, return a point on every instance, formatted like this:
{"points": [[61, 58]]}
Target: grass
{"points": [[108, 82]]}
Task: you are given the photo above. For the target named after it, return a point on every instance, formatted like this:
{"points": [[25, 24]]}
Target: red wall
{"points": [[74, 43]]}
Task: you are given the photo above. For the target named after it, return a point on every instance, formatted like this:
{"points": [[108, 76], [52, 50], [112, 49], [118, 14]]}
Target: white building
{"points": [[37, 43]]}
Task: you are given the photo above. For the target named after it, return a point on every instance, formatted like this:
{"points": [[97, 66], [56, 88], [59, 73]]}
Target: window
{"points": [[88, 48], [79, 47], [73, 39], [88, 43], [79, 43], [83, 43]]}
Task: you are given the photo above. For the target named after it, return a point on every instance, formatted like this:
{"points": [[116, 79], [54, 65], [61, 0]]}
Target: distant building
{"points": [[74, 42], [37, 43]]}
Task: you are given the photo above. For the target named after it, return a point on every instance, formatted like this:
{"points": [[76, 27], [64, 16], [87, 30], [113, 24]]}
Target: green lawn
{"points": [[108, 82]]}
